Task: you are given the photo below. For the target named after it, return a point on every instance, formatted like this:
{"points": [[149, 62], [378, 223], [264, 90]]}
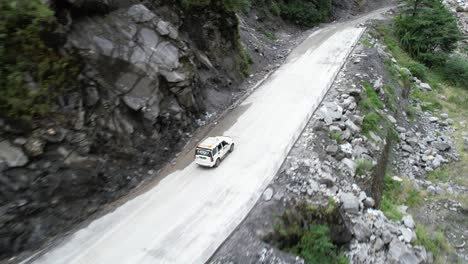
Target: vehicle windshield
{"points": [[203, 152]]}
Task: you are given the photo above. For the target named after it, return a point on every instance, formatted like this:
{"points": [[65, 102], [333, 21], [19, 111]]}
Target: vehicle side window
{"points": [[215, 151], [220, 147], [224, 143]]}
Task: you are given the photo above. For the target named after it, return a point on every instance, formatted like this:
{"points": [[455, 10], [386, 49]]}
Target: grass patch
{"points": [[245, 61], [269, 35], [364, 166], [371, 122], [434, 242], [438, 175], [367, 43], [371, 100], [397, 193], [337, 136]]}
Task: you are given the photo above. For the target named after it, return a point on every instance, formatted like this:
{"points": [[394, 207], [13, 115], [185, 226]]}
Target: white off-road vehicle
{"points": [[213, 150]]}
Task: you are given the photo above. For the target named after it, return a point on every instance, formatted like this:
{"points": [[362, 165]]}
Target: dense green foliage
{"points": [[455, 71], [427, 30], [231, 5], [303, 230], [315, 246], [306, 12], [32, 74]]}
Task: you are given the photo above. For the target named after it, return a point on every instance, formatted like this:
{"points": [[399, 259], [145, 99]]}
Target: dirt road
{"points": [[185, 217]]}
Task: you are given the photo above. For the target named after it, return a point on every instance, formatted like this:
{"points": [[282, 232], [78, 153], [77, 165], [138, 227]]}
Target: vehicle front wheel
{"points": [[231, 149], [216, 163]]}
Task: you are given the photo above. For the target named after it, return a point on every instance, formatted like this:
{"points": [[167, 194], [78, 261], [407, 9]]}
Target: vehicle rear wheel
{"points": [[216, 163], [231, 149]]}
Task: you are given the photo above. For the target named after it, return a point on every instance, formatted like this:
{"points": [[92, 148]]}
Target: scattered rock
{"points": [[407, 148], [350, 203], [361, 231], [398, 253], [392, 119], [441, 146], [408, 221], [268, 194], [369, 202], [425, 86]]}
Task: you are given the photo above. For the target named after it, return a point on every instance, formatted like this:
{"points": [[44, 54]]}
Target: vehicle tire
{"points": [[216, 163], [231, 149]]}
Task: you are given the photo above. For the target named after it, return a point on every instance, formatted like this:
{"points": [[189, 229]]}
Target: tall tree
{"points": [[427, 30]]}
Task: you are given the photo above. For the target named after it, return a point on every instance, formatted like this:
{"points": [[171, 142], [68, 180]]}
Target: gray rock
{"points": [[398, 253], [444, 116], [387, 236], [433, 119], [332, 149], [375, 137], [92, 96], [392, 119], [347, 149], [361, 231], [407, 148], [378, 244], [139, 13], [12, 155], [268, 194], [421, 254], [330, 112], [413, 141], [408, 221], [368, 202], [441, 146], [350, 203], [400, 129], [407, 234], [350, 165], [465, 143], [352, 127], [327, 179], [425, 86], [34, 146]]}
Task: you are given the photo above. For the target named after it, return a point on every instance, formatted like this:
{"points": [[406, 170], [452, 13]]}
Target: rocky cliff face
{"points": [[147, 75]]}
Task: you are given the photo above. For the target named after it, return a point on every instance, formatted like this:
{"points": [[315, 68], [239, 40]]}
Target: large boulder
{"points": [[11, 155], [399, 253]]}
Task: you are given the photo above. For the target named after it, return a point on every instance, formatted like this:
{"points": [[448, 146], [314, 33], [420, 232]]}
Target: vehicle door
{"points": [[225, 147], [220, 150]]}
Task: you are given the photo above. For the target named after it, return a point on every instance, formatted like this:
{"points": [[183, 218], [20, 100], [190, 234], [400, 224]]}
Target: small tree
{"points": [[427, 30]]}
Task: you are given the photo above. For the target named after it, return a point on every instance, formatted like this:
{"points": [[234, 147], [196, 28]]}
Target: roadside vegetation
{"points": [[423, 39], [305, 230]]}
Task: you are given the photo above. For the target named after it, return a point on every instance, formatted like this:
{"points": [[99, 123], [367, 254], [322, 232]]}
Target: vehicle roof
{"points": [[211, 142]]}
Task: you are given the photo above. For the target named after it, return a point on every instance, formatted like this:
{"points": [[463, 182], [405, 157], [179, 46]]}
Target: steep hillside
{"points": [[97, 95]]}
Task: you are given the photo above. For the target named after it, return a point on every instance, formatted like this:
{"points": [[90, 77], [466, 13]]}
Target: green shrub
{"points": [[371, 122], [32, 73], [275, 8], [371, 100], [364, 166], [418, 70], [427, 30], [337, 136], [306, 12], [315, 246], [455, 71], [304, 230]]}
